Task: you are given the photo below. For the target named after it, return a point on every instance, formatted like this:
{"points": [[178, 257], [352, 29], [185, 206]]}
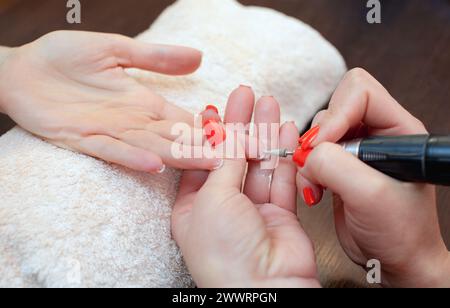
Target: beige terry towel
{"points": [[68, 220]]}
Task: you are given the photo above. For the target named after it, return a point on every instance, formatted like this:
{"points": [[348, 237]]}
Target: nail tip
{"points": [[219, 165], [300, 156], [308, 196], [245, 86], [268, 96], [212, 108], [161, 170], [310, 134]]}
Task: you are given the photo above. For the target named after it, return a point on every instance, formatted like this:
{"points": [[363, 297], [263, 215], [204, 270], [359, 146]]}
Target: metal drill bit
{"points": [[279, 152]]}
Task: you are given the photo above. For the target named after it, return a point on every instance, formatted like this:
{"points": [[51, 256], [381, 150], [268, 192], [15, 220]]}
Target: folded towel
{"points": [[68, 220]]}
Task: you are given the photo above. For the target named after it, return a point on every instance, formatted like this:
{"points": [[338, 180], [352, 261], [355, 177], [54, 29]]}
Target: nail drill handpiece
{"points": [[414, 158]]}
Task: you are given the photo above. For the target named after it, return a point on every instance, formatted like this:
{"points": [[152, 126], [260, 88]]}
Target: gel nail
{"points": [[309, 137], [308, 196], [212, 108], [214, 132], [300, 156], [210, 114]]}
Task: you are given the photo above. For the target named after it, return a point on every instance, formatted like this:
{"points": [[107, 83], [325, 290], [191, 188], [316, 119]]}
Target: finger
{"points": [[239, 110], [319, 117], [118, 152], [240, 106], [177, 132], [311, 193], [174, 113], [213, 128], [190, 183], [259, 180], [165, 59], [330, 166], [361, 98], [209, 115], [344, 234], [358, 130], [284, 191], [174, 154]]}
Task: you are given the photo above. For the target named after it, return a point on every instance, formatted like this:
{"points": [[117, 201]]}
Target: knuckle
{"points": [[358, 79], [56, 33], [320, 116], [357, 74], [420, 126], [321, 156]]}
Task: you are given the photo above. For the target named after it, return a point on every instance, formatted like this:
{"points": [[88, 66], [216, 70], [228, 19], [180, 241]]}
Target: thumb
{"points": [[358, 185], [165, 59]]}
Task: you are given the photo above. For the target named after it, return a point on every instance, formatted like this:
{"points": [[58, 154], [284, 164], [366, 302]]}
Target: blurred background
{"points": [[409, 52]]}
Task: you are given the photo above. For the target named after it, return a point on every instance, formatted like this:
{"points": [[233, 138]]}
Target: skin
{"points": [[87, 103], [238, 240], [254, 238], [70, 88], [376, 216]]}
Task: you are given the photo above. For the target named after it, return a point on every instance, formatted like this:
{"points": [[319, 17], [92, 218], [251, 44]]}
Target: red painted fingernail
{"points": [[300, 156], [306, 143], [210, 117], [214, 132], [213, 108], [308, 195], [309, 137]]}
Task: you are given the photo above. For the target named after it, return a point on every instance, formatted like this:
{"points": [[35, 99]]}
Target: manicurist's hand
{"points": [[70, 88], [231, 239], [377, 217]]}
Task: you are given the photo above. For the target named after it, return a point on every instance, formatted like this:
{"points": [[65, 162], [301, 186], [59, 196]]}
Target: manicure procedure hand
{"points": [[231, 239], [377, 217], [70, 88]]}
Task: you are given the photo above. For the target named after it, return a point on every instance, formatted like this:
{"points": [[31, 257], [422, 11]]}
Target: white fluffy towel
{"points": [[68, 220]]}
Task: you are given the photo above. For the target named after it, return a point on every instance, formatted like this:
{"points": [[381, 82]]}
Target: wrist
{"points": [[430, 272], [435, 273]]}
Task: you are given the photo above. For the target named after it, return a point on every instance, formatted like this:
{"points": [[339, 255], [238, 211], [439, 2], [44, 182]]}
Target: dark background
{"points": [[409, 53]]}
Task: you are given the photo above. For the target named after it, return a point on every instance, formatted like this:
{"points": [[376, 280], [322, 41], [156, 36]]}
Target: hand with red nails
{"points": [[376, 217], [251, 239], [70, 88]]}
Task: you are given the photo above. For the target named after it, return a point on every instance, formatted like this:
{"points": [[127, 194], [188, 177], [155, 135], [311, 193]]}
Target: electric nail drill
{"points": [[414, 158]]}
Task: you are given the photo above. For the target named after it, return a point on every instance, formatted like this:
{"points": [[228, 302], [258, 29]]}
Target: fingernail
{"points": [[219, 165], [161, 170], [309, 137], [212, 108], [263, 157], [308, 196], [244, 86], [300, 156], [214, 132]]}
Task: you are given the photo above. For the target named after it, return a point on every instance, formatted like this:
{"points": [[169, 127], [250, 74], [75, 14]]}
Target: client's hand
{"points": [[377, 217], [227, 239], [70, 88]]}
